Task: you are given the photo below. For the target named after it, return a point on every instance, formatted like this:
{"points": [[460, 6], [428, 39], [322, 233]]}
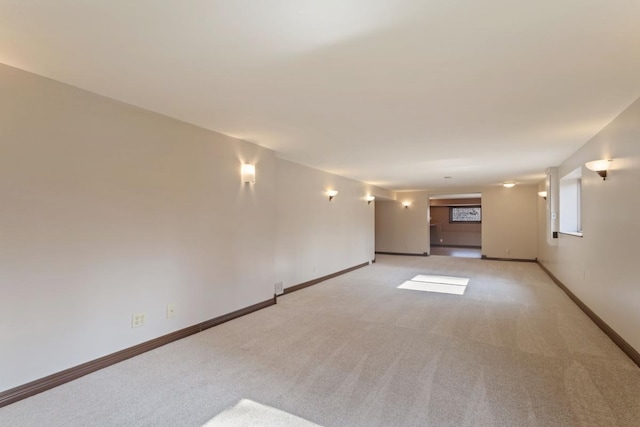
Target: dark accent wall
{"points": [[457, 234]]}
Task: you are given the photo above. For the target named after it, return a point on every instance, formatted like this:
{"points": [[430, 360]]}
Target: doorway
{"points": [[455, 225]]}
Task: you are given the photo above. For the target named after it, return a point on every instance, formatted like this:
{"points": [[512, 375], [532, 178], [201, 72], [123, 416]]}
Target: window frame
{"points": [[452, 221], [570, 203]]}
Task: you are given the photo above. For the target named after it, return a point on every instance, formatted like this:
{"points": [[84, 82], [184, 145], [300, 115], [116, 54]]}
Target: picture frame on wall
{"points": [[465, 214]]}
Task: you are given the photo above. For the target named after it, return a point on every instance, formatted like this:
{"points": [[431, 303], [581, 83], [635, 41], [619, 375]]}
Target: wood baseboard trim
{"points": [[235, 314], [402, 253], [608, 330], [509, 259], [322, 279], [38, 386]]}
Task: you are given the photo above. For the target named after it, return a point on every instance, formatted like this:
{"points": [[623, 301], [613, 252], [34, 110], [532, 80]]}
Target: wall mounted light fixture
{"points": [[332, 194], [508, 184], [369, 199], [406, 204], [248, 172], [600, 167], [542, 194]]}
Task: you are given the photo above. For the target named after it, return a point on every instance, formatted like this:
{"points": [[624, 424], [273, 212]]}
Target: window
{"points": [[570, 203], [467, 214]]}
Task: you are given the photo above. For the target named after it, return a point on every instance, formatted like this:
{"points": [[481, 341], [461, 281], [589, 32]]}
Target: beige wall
{"points": [[509, 222], [402, 230], [455, 202], [544, 209], [109, 210], [315, 236], [601, 268]]}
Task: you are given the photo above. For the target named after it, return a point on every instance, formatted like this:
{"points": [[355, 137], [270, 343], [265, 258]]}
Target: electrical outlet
{"points": [[508, 250], [171, 310], [137, 320], [441, 240], [279, 289]]}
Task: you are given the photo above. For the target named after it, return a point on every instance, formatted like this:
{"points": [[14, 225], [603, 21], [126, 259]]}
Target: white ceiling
{"points": [[395, 93]]}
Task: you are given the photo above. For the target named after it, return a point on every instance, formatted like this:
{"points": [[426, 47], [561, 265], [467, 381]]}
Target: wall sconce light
{"points": [[600, 167], [248, 173], [406, 204], [508, 184], [542, 194], [369, 199], [331, 194]]}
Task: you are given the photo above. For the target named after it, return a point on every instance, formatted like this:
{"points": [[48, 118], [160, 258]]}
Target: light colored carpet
{"points": [[357, 351]]}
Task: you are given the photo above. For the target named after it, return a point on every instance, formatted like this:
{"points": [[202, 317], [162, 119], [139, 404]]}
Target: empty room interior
{"points": [[319, 213]]}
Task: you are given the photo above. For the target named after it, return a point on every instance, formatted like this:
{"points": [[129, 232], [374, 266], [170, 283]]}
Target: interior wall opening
{"points": [[455, 225]]}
